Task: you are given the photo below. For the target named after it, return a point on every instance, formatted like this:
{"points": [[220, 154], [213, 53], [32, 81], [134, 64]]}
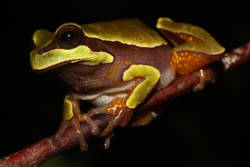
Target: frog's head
{"points": [[65, 46]]}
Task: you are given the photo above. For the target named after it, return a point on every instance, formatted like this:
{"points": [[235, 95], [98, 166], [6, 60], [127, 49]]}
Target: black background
{"points": [[199, 129]]}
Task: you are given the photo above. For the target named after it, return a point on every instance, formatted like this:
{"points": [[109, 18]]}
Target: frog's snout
{"points": [[41, 37]]}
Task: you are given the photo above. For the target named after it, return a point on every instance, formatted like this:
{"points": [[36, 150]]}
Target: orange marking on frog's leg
{"points": [[121, 114], [121, 117], [185, 62], [179, 38], [186, 37], [117, 108], [194, 46]]}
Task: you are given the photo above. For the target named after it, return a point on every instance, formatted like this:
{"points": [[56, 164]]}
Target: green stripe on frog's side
{"points": [[151, 75], [67, 108], [126, 31], [208, 45], [78, 54]]}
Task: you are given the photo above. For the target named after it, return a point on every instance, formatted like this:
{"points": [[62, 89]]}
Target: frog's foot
{"points": [[75, 122], [204, 79], [93, 129], [120, 118], [107, 141]]}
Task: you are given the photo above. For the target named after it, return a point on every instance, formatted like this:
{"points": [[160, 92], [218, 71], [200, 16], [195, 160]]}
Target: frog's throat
{"points": [[139, 94], [82, 54]]}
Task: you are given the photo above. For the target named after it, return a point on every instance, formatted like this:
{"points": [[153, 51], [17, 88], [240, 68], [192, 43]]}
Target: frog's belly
{"points": [[104, 97]]}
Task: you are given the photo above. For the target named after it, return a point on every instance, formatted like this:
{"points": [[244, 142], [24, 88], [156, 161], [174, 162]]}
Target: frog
{"points": [[117, 65]]}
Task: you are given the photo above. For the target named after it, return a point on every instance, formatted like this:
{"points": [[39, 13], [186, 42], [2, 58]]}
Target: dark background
{"points": [[198, 129]]}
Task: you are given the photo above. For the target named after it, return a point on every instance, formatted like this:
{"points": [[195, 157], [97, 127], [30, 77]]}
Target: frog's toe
{"points": [[73, 123], [205, 78], [93, 127], [107, 141]]}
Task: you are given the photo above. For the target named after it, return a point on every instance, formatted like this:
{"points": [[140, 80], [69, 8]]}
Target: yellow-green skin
{"points": [[151, 75], [209, 46], [124, 31]]}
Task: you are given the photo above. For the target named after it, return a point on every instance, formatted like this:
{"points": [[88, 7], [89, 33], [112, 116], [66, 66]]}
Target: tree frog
{"points": [[116, 65]]}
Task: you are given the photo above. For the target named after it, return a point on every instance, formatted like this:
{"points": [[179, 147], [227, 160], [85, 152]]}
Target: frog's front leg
{"points": [[143, 78], [72, 116], [121, 114], [194, 47]]}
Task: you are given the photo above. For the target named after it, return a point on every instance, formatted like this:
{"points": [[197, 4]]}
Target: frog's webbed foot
{"points": [[73, 117], [73, 123], [120, 118], [121, 115], [120, 112], [204, 79]]}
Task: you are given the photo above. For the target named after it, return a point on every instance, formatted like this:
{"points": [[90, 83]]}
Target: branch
{"points": [[48, 147]]}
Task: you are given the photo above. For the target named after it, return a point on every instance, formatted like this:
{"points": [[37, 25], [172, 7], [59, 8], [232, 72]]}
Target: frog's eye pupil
{"points": [[67, 36]]}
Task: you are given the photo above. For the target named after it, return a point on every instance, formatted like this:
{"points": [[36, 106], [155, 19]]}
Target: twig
{"points": [[48, 147]]}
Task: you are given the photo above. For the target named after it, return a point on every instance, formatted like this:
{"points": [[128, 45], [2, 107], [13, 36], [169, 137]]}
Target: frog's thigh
{"points": [[67, 108], [187, 61], [151, 75]]}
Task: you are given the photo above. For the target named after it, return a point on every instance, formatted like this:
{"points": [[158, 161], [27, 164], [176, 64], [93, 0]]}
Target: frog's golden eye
{"points": [[69, 37]]}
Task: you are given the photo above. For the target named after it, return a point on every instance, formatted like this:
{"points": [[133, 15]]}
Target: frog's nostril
{"points": [[41, 51]]}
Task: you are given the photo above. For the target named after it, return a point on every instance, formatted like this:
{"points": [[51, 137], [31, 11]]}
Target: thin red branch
{"points": [[48, 147]]}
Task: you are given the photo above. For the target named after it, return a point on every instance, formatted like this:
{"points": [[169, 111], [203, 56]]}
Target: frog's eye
{"points": [[69, 36]]}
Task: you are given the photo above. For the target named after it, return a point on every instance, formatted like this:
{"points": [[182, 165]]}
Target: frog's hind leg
{"points": [[194, 47]]}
